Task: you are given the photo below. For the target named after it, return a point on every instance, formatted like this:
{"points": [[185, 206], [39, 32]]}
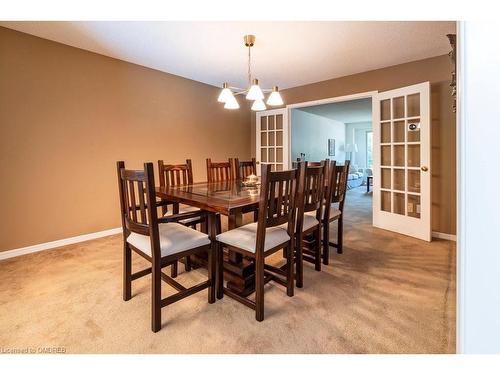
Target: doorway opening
{"points": [[401, 150], [340, 130]]}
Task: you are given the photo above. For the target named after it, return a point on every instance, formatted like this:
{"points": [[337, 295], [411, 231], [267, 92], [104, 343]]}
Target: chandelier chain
{"points": [[249, 67]]}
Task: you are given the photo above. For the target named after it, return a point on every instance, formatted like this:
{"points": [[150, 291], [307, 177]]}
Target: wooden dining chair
{"points": [[171, 175], [265, 237], [309, 214], [161, 241], [220, 171], [244, 168], [329, 212], [338, 201]]}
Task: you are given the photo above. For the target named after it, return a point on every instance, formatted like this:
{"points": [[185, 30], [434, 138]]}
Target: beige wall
{"points": [[67, 115], [437, 71]]}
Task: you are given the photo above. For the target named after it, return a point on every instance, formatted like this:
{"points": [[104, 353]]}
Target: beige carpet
{"points": [[386, 294]]}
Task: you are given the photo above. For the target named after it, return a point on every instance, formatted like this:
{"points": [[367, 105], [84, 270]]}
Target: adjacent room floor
{"points": [[386, 294]]}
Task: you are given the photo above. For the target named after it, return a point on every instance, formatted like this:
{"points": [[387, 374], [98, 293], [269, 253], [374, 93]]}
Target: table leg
{"points": [[211, 226], [234, 221], [238, 271]]}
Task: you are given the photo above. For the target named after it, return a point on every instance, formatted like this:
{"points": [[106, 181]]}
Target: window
{"points": [[369, 149]]}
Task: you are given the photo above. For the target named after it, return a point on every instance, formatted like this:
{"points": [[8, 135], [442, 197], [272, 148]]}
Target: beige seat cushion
{"points": [[245, 237], [182, 210], [309, 221], [334, 213], [174, 238]]}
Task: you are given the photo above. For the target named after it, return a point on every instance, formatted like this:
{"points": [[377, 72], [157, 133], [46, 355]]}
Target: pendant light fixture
{"points": [[275, 97], [258, 105], [225, 94], [253, 92], [231, 103]]}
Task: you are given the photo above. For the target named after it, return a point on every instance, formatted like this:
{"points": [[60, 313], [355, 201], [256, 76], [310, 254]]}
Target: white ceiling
{"points": [[286, 54], [352, 111]]}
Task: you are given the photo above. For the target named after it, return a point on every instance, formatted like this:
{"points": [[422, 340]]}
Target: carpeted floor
{"points": [[386, 294]]}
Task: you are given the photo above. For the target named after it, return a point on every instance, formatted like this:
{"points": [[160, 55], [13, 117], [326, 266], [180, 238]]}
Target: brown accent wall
{"points": [[437, 71], [67, 115]]}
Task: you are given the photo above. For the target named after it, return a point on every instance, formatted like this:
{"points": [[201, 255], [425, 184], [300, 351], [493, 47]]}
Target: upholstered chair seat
{"points": [[182, 210], [245, 237], [309, 221], [174, 238], [334, 213]]}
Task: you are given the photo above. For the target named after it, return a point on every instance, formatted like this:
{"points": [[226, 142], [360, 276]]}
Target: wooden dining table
{"points": [[228, 198]]}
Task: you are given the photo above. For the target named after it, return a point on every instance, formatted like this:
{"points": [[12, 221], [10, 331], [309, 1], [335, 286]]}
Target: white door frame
{"points": [[420, 227], [286, 135], [336, 99]]}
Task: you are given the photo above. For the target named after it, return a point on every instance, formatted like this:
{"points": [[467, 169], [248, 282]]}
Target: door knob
{"points": [[257, 162], [424, 168]]}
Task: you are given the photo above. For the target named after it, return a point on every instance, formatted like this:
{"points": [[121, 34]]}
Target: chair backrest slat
{"points": [[142, 205], [279, 202], [132, 199], [220, 171]]}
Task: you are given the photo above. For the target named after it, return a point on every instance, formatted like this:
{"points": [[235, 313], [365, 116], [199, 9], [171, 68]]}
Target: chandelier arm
{"points": [[242, 92], [234, 88]]}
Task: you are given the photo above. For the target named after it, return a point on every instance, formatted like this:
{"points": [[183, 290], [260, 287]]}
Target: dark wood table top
{"points": [[227, 197]]}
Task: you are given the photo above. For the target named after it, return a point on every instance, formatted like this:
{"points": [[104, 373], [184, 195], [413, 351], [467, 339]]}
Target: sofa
{"points": [[357, 176]]}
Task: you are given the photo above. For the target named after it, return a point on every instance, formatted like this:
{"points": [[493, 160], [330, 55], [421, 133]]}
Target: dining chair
{"points": [[161, 241], [220, 171], [265, 237], [338, 202], [330, 212], [245, 168], [171, 175], [309, 214]]}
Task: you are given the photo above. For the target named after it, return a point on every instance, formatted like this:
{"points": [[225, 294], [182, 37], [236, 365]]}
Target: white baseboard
{"points": [[444, 236], [90, 236], [58, 243]]}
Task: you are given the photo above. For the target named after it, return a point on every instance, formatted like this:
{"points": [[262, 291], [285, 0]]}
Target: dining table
{"points": [[233, 199]]}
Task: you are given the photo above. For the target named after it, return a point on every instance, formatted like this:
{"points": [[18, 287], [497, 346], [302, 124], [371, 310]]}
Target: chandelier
{"points": [[253, 92]]}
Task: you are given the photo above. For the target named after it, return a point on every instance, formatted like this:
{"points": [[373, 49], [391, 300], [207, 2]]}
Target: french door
{"points": [[401, 163], [272, 139]]}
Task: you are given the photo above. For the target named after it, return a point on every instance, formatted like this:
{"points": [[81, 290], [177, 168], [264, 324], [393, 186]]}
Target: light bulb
{"points": [[258, 105], [231, 103], [255, 93], [275, 97], [225, 94]]}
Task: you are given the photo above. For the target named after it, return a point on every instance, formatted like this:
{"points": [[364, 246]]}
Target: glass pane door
{"points": [[401, 163], [400, 155], [271, 141]]}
